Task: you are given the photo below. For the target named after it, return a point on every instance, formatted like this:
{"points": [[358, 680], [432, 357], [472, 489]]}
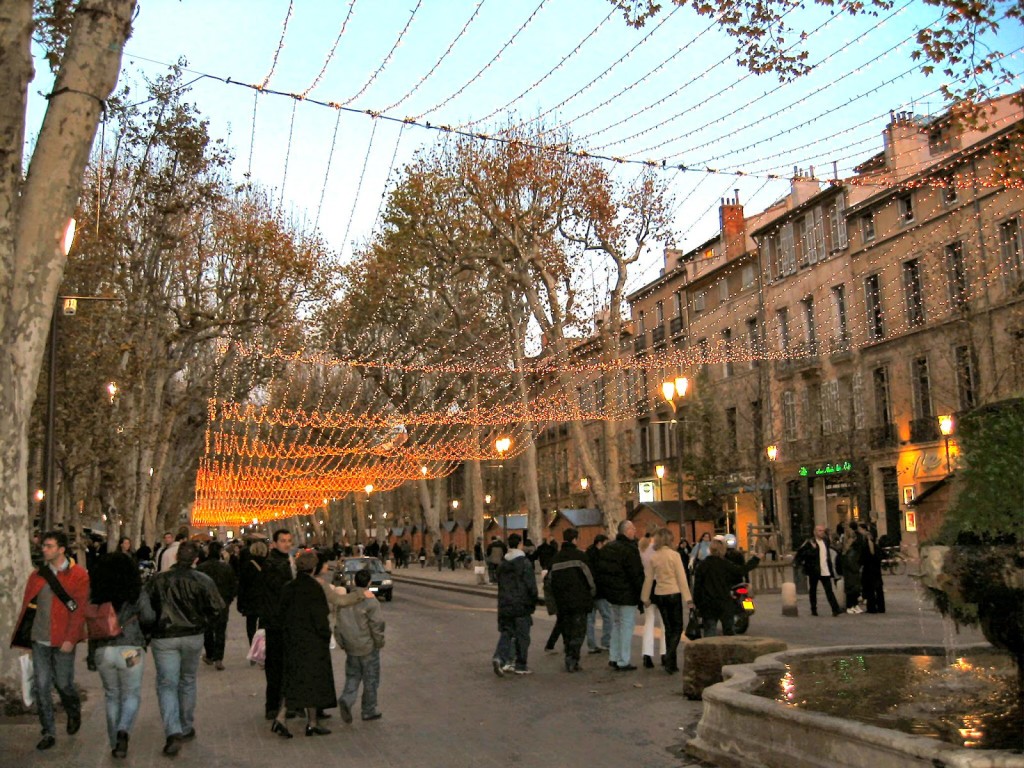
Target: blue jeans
{"points": [[365, 670], [122, 685], [623, 621], [710, 625], [177, 661], [515, 630], [600, 606], [52, 667]]}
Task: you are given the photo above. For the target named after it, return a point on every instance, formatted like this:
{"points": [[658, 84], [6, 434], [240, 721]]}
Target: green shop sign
{"points": [[828, 469]]}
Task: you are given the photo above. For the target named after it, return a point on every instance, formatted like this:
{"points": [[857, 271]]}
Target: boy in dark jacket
{"points": [[517, 599], [573, 587]]}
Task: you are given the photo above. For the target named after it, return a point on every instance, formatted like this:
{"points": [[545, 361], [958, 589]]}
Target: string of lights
{"points": [[561, 63], [508, 44], [440, 61], [280, 44], [330, 54], [387, 59], [359, 185], [327, 170]]}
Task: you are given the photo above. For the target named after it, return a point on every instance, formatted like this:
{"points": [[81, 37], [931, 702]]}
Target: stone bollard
{"points": [[789, 605], [703, 659]]}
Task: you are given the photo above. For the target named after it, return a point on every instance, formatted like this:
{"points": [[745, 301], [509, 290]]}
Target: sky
{"points": [[670, 92]]}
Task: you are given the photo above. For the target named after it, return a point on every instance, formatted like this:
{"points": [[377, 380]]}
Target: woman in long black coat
{"points": [[308, 674]]}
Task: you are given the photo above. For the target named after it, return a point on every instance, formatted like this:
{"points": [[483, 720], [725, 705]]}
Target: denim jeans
{"points": [[600, 606], [515, 630], [122, 685], [623, 621], [710, 625], [365, 670], [53, 667], [177, 661]]}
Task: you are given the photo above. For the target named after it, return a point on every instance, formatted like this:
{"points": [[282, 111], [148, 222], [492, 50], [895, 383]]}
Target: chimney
{"points": [[906, 144], [734, 230], [673, 259]]}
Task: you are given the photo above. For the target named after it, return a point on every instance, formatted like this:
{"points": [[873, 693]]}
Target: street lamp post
{"points": [[65, 305], [672, 389], [946, 427], [660, 472], [502, 445], [772, 451]]}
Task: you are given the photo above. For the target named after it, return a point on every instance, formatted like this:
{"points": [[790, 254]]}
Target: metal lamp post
{"points": [[946, 427], [502, 445], [660, 472], [671, 390]]}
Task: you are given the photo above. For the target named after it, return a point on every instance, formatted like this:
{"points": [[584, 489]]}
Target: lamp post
{"points": [[502, 445], [772, 451], [673, 389], [660, 472], [946, 427]]}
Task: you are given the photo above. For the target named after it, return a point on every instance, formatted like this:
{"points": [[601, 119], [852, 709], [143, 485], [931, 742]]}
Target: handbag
{"points": [[101, 621], [23, 632], [258, 650], [693, 630]]}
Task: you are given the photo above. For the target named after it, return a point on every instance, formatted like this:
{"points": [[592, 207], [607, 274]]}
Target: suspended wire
{"points": [[640, 81], [486, 66], [550, 72], [280, 43], [359, 186], [462, 32], [683, 87], [387, 59], [613, 65], [330, 54], [288, 150], [391, 165], [731, 113], [327, 171], [252, 139]]}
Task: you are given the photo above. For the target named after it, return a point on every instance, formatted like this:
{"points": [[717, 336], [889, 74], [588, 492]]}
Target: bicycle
{"points": [[894, 562]]}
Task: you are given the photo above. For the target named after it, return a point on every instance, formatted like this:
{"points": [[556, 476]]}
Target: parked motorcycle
{"points": [[744, 607]]}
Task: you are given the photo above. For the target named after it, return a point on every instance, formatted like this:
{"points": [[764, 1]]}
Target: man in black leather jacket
{"points": [[185, 602]]}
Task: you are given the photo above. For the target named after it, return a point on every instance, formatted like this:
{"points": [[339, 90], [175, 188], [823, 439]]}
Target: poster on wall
{"points": [[908, 494], [910, 517]]}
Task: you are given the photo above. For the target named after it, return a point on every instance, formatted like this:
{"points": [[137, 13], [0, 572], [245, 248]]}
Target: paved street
{"points": [[442, 704]]}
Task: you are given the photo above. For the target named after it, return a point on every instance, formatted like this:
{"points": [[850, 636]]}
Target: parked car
{"points": [[380, 580]]}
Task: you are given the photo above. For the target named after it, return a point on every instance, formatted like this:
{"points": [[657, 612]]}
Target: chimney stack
{"points": [[734, 230]]}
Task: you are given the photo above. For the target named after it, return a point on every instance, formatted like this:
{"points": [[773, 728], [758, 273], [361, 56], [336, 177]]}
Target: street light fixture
{"points": [[946, 427], [502, 445], [674, 389], [455, 503], [584, 483], [773, 452]]}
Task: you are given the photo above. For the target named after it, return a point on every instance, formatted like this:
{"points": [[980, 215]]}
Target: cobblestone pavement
{"points": [[442, 704]]}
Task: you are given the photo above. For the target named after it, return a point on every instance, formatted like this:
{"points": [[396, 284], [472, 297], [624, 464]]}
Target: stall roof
{"points": [[671, 511], [580, 517]]}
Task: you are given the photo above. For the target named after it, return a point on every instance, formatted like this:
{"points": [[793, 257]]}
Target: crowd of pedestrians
{"points": [[181, 614]]}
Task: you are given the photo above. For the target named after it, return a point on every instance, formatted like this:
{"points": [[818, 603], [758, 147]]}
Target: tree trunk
{"points": [[34, 214]]}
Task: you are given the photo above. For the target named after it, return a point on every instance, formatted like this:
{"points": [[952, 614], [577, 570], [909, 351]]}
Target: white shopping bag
{"points": [[28, 682]]}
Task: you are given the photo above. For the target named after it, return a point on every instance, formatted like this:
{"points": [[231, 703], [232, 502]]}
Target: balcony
{"points": [[658, 336], [639, 345], [885, 436], [924, 430], [675, 326], [840, 349]]}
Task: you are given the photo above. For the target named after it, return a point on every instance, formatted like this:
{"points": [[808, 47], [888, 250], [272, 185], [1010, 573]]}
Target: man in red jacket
{"points": [[57, 629]]}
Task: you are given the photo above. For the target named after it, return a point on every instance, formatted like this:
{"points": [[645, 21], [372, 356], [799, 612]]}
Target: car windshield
{"points": [[373, 565]]}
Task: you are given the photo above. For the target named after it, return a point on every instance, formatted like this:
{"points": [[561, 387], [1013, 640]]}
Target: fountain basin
{"points": [[741, 729]]}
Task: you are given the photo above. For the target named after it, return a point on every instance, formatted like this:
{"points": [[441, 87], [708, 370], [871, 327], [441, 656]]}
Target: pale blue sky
{"points": [[692, 110]]}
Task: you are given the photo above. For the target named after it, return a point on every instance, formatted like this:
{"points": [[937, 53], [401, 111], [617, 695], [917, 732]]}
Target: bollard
{"points": [[789, 606]]}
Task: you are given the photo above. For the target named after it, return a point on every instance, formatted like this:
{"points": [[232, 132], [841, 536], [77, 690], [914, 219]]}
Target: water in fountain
{"points": [[972, 702]]}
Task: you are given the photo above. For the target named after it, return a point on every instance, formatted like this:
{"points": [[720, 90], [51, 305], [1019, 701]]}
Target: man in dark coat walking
{"points": [[713, 581], [620, 578], [573, 588], [223, 576], [517, 599], [278, 570]]}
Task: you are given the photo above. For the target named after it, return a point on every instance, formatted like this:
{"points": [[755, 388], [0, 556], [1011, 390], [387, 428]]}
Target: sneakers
{"points": [[599, 649], [374, 716], [510, 667], [524, 671], [496, 664], [855, 610]]}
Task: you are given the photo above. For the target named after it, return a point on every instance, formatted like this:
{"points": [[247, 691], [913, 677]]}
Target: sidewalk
{"points": [[910, 617]]}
